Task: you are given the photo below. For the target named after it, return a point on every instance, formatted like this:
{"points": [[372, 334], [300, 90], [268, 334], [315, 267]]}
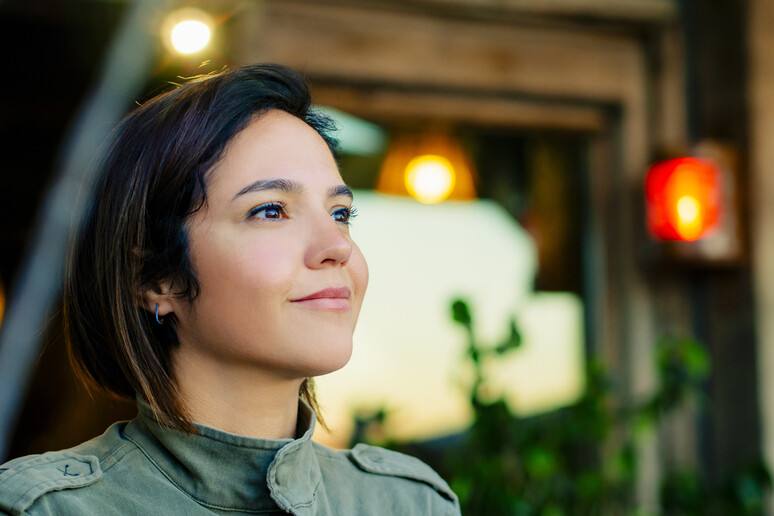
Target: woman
{"points": [[213, 277]]}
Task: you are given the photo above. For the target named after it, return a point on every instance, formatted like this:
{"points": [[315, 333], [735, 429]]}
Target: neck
{"points": [[235, 399]]}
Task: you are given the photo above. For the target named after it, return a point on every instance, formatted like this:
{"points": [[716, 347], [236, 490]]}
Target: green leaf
{"points": [[513, 342], [541, 462], [553, 509], [588, 484], [461, 313], [697, 362]]}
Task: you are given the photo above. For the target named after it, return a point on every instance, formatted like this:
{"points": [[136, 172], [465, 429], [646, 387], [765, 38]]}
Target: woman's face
{"points": [[281, 281]]}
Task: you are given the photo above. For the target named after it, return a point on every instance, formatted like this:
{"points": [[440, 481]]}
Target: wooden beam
{"points": [[354, 43], [384, 105], [630, 11]]}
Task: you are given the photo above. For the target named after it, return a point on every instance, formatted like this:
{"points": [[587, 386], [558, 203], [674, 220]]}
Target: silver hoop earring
{"points": [[157, 315]]}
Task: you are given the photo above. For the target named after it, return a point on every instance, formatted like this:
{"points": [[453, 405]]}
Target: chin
{"points": [[330, 358]]}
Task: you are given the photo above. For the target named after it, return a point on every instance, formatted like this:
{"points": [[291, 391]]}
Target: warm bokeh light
{"points": [[689, 223], [430, 178], [430, 167], [187, 30], [190, 36], [683, 199], [688, 209]]}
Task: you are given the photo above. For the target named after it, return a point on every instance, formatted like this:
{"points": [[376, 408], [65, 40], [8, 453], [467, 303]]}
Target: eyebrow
{"points": [[284, 185], [340, 191], [290, 186]]}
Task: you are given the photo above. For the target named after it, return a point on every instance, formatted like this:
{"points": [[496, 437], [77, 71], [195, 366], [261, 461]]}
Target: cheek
{"points": [[359, 269], [244, 285], [244, 271]]}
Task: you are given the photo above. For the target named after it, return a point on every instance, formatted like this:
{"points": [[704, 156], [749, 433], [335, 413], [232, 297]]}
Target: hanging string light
{"points": [[431, 167]]}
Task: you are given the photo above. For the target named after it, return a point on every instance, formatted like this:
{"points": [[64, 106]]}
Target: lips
{"points": [[333, 298]]}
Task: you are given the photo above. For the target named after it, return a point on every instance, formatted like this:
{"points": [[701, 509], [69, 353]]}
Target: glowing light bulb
{"points": [[190, 36], [690, 224], [187, 30], [683, 199], [688, 209], [430, 178]]}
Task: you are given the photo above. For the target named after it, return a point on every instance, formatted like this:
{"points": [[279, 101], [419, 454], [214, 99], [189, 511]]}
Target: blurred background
{"points": [[565, 206]]}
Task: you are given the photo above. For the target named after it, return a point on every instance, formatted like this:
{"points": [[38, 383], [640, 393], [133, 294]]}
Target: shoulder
{"points": [[379, 461], [393, 472], [26, 480]]}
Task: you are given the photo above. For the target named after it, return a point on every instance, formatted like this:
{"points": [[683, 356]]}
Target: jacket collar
{"points": [[226, 471]]}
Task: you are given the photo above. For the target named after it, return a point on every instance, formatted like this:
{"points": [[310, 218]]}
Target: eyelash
{"points": [[350, 212], [269, 206]]}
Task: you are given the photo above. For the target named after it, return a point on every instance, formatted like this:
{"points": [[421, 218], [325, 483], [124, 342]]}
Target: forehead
{"points": [[273, 146]]}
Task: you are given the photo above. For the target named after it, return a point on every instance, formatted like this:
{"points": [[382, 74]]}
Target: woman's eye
{"points": [[268, 211], [344, 215]]}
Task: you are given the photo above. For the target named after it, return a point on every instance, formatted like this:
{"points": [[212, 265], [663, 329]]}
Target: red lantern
{"points": [[684, 199]]}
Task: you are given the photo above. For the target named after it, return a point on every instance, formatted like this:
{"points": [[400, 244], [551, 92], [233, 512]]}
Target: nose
{"points": [[329, 244]]}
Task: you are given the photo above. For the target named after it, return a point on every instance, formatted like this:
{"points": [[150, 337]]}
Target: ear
{"points": [[159, 295]]}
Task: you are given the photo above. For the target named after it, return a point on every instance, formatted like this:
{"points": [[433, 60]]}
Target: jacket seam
{"points": [[24, 501], [116, 454]]}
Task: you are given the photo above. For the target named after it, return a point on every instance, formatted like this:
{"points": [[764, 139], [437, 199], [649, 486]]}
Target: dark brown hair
{"points": [[152, 178]]}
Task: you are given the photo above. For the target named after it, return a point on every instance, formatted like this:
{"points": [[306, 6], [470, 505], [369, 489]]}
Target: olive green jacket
{"points": [[140, 468]]}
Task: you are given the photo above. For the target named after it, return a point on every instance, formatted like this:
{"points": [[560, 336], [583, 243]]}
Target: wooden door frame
{"points": [[625, 92]]}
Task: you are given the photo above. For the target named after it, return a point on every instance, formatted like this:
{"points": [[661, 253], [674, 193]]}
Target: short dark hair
{"points": [[152, 178]]}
